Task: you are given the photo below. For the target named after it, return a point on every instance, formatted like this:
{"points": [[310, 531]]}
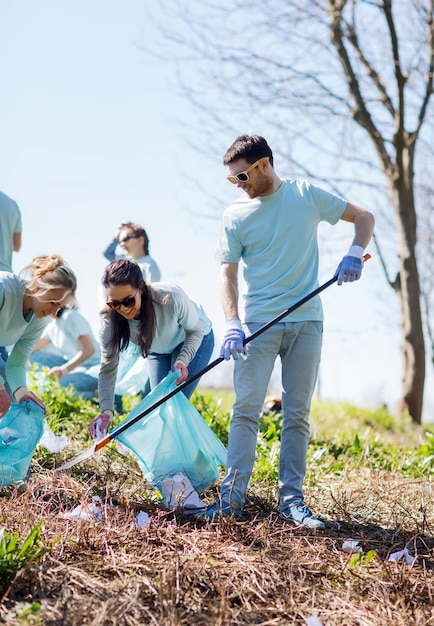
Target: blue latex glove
{"points": [[233, 340], [351, 266]]}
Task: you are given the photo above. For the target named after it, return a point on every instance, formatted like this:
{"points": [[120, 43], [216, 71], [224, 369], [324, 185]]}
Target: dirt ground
{"points": [[259, 570]]}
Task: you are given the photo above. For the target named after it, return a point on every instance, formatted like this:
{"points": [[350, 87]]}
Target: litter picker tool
{"points": [[86, 454]]}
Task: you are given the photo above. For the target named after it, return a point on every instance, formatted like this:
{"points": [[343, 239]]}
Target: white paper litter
{"points": [[350, 546], [402, 554], [142, 520], [179, 492], [85, 511], [52, 442], [122, 449], [313, 620], [100, 432]]}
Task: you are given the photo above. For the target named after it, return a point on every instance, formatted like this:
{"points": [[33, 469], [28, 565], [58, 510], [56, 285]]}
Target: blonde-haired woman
{"points": [[42, 288]]}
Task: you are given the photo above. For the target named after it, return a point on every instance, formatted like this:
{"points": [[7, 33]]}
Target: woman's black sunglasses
{"points": [[128, 302], [128, 237]]}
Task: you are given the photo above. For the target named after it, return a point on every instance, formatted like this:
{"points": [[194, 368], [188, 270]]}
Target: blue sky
{"points": [[92, 132]]}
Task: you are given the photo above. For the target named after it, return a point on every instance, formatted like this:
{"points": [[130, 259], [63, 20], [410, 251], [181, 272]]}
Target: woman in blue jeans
{"points": [[171, 330]]}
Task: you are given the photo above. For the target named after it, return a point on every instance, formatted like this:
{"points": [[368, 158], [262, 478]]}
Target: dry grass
{"points": [[255, 571]]}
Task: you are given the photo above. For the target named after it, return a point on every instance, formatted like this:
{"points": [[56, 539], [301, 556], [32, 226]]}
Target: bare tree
{"points": [[346, 86]]}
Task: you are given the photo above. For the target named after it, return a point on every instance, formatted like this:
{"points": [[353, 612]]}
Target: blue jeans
{"points": [[85, 385], [45, 358], [161, 364], [298, 344], [4, 353]]}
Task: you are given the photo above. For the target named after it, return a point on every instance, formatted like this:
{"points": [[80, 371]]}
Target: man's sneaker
{"points": [[222, 508], [300, 515]]}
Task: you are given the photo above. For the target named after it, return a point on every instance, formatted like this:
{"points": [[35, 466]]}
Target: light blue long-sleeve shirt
{"points": [[178, 320], [15, 329]]}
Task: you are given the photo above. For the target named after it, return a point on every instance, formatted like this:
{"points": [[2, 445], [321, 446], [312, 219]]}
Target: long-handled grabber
{"points": [[127, 423]]}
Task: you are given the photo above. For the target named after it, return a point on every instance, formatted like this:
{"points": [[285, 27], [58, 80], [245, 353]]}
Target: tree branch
{"points": [[360, 113]]}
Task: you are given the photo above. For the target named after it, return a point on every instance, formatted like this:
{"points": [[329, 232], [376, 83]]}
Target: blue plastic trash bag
{"points": [[20, 431], [132, 374], [173, 439]]}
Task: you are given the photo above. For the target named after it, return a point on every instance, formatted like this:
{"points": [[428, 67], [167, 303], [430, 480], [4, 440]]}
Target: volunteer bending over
{"points": [[68, 347], [43, 287], [171, 330]]}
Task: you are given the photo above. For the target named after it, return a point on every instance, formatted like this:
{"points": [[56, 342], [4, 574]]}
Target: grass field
{"points": [[369, 477]]}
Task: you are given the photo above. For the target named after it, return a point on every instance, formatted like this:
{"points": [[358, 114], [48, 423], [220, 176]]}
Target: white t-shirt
{"points": [[63, 333]]}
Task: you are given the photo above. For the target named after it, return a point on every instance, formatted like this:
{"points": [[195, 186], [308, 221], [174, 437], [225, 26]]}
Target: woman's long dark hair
{"points": [[125, 272]]}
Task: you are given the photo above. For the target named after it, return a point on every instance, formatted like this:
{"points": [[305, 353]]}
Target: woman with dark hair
{"points": [[133, 241], [170, 330]]}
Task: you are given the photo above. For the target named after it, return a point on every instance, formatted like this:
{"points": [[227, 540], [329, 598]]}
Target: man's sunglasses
{"points": [[128, 237], [243, 177], [128, 302]]}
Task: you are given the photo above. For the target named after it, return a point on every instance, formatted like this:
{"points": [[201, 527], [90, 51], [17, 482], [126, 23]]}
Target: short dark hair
{"points": [[249, 147]]}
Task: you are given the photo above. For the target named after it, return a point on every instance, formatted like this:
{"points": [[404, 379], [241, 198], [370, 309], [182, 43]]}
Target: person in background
{"points": [[10, 240], [134, 242], [172, 332], [272, 229], [43, 287], [68, 347]]}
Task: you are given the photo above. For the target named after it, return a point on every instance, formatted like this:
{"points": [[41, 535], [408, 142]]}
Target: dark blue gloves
{"points": [[233, 340], [350, 268]]}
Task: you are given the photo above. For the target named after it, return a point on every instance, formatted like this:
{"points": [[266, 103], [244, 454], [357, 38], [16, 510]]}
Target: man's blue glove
{"points": [[233, 340], [350, 268]]}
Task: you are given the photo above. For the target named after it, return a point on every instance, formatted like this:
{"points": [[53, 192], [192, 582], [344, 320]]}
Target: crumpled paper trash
{"points": [[100, 432], [350, 546], [85, 511], [313, 620], [179, 492], [402, 554], [122, 449], [142, 520], [52, 442]]}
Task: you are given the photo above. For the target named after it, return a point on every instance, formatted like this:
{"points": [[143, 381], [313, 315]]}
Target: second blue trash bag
{"points": [[20, 431], [173, 439]]}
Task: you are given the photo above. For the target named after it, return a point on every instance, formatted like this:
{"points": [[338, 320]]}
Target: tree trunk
{"points": [[408, 289], [385, 51], [413, 349]]}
